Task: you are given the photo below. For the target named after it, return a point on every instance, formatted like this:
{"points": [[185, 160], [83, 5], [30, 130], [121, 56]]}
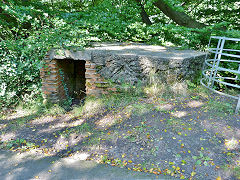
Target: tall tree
{"points": [[143, 13], [178, 17]]}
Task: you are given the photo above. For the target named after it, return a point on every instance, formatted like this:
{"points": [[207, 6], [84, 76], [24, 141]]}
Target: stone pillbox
{"points": [[87, 72]]}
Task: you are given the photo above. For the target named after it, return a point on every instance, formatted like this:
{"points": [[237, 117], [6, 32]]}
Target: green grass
{"points": [[91, 106], [220, 106], [126, 100], [174, 122], [236, 172], [17, 144], [139, 108], [83, 128], [40, 109]]}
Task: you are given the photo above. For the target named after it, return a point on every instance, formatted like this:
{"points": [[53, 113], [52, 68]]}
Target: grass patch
{"points": [[20, 144], [80, 129], [94, 105], [40, 109], [220, 107], [174, 122], [177, 125], [119, 100], [236, 172], [139, 108], [91, 106]]}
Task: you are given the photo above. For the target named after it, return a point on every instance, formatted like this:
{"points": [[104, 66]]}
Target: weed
{"points": [[221, 107], [201, 159], [119, 100], [174, 122], [154, 90], [83, 128], [140, 109], [154, 150], [94, 140], [92, 105], [131, 138], [236, 171], [17, 144], [38, 109], [54, 110], [197, 91], [133, 89]]}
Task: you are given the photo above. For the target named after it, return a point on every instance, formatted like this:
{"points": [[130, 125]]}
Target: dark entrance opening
{"points": [[74, 78]]}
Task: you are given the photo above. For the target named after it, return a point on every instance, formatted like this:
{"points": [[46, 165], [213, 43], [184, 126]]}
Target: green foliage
{"points": [[18, 144], [221, 107], [28, 29], [83, 128], [201, 159]]}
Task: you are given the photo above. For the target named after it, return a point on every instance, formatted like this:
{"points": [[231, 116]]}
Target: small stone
{"points": [[169, 150]]}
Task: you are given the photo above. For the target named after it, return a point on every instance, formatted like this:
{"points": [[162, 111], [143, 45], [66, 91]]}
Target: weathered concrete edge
{"points": [[87, 55], [68, 54]]}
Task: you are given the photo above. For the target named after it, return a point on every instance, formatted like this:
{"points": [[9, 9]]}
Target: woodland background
{"points": [[29, 28]]}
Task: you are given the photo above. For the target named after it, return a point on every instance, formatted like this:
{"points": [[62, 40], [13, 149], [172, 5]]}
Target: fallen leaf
{"points": [[182, 176], [193, 173]]}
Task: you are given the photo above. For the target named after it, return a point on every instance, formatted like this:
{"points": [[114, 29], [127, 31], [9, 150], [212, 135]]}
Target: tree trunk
{"points": [[178, 17], [143, 13]]}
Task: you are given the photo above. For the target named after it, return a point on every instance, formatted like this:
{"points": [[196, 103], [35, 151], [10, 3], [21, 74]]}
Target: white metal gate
{"points": [[227, 61]]}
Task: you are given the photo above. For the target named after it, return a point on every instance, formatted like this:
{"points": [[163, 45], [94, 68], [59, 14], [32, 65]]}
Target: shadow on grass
{"points": [[145, 132]]}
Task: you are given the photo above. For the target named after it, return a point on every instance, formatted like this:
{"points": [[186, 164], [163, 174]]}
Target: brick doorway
{"points": [[72, 75], [73, 78]]}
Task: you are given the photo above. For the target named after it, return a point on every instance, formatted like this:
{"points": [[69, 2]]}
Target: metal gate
{"points": [[222, 66]]}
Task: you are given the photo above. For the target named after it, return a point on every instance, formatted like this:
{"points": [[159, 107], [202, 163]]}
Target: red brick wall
{"points": [[52, 85]]}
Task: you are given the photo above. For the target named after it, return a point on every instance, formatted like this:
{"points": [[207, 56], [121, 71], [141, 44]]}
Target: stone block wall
{"points": [[133, 69], [118, 63]]}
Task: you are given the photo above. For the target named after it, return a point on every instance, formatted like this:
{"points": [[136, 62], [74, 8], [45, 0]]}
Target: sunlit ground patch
{"points": [[42, 120], [195, 103], [76, 157], [179, 114], [2, 126], [7, 136], [91, 107], [76, 123], [164, 107], [179, 88], [107, 121], [231, 143]]}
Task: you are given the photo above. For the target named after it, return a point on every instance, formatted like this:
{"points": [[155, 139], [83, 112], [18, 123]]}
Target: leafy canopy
{"points": [[28, 29]]}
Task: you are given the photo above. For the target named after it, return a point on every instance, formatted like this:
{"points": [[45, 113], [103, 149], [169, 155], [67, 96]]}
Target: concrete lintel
{"points": [[84, 55]]}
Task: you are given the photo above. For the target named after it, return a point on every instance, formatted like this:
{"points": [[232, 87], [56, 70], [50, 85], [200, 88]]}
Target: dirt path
{"points": [[25, 166], [191, 138]]}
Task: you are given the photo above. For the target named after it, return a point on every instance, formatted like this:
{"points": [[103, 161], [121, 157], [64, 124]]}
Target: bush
{"points": [[29, 30]]}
